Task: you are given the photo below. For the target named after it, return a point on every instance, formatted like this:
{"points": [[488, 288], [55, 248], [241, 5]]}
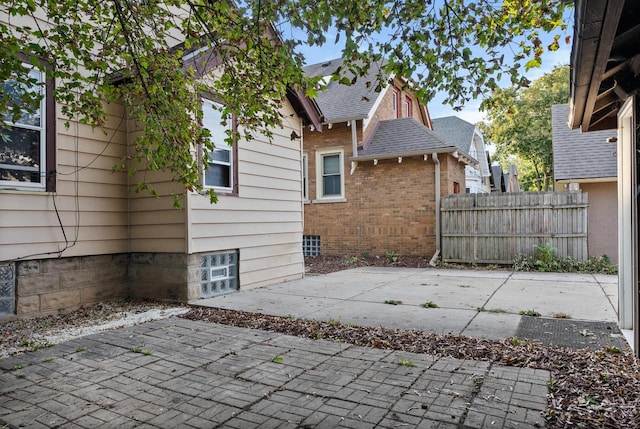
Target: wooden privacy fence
{"points": [[495, 228]]}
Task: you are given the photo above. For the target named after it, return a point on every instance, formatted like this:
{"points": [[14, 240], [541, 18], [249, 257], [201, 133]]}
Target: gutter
{"points": [[456, 153], [434, 258]]}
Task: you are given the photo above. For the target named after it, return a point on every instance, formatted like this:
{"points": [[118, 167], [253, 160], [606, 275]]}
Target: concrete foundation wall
{"points": [[50, 285], [164, 276]]}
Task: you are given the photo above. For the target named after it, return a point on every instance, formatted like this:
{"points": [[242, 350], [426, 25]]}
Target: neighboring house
{"points": [[73, 232], [587, 162], [605, 82], [467, 137], [498, 179], [375, 175]]}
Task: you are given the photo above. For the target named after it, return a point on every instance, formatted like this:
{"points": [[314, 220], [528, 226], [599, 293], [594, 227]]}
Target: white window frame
{"points": [[320, 155], [42, 168], [221, 146], [305, 176], [407, 107], [396, 103]]}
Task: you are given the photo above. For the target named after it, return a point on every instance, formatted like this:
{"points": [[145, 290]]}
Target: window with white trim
{"points": [[23, 140], [407, 107], [218, 173], [305, 177], [330, 174], [396, 103]]}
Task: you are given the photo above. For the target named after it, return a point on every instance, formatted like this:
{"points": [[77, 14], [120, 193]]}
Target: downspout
{"points": [[433, 260], [354, 144]]}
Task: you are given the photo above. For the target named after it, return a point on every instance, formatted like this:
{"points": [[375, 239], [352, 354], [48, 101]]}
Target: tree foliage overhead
{"points": [[520, 122], [133, 51]]}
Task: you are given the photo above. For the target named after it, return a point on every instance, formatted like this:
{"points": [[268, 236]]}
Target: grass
{"points": [[140, 350], [531, 313], [392, 302], [405, 362], [35, 346], [429, 304], [80, 349], [491, 310], [277, 359]]}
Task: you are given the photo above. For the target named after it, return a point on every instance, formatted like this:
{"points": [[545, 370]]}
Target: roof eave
{"points": [[607, 179], [462, 156], [589, 56]]}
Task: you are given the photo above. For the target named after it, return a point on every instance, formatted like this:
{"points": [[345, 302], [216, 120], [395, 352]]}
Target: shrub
{"points": [[546, 260]]}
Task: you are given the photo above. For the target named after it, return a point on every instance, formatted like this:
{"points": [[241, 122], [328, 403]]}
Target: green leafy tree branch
{"points": [[153, 56], [519, 124]]}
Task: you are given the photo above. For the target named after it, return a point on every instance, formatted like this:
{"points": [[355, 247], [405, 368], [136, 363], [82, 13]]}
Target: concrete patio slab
{"points": [[580, 300], [437, 320], [501, 326], [357, 296], [554, 277], [443, 293], [259, 301]]}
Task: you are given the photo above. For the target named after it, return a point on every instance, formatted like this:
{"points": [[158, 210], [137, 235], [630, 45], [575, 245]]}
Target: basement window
{"points": [[7, 289], [311, 245], [218, 273]]}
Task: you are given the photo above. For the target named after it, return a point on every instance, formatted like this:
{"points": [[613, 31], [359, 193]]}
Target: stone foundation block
{"points": [[60, 300], [31, 285]]}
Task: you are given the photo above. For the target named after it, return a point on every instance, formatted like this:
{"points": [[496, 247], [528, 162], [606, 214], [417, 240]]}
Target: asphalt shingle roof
{"points": [[498, 179], [341, 102], [578, 155], [402, 136], [454, 130]]}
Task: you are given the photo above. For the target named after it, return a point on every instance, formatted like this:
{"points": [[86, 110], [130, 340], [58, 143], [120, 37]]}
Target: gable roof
{"points": [[339, 102], [498, 179], [578, 155], [455, 131], [405, 137]]}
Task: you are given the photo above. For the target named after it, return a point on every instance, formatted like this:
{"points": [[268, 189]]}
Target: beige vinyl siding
{"points": [[264, 221], [92, 211], [155, 225]]}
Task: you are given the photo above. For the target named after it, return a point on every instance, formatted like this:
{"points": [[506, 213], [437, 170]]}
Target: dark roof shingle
{"points": [[578, 155], [402, 136], [339, 102], [455, 131]]}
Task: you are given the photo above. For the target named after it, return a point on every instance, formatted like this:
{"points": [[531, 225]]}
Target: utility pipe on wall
{"points": [[436, 161]]}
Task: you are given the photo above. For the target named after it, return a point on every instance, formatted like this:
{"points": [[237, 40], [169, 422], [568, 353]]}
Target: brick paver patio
{"points": [[180, 373]]}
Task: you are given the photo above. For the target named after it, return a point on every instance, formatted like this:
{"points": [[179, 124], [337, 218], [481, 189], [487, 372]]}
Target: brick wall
{"points": [[390, 207], [385, 109], [49, 285], [451, 170]]}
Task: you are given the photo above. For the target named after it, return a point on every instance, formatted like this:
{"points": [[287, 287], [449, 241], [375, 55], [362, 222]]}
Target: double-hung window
{"points": [[219, 171], [396, 103], [23, 140], [407, 107], [330, 171]]}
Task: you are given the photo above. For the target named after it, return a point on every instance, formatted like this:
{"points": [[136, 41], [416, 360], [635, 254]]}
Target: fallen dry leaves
{"points": [[588, 388]]}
